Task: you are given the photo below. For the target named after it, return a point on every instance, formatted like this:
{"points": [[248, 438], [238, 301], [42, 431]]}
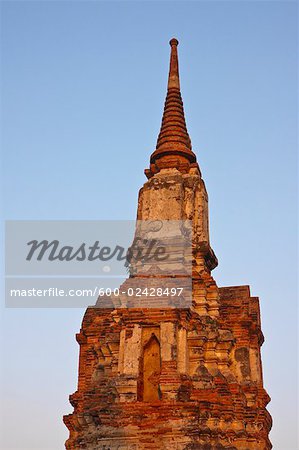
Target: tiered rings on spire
{"points": [[174, 147]]}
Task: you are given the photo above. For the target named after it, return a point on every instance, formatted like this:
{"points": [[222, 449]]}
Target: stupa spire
{"points": [[173, 147]]}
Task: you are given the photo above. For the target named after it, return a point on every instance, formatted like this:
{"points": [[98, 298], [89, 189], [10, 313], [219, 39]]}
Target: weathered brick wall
{"points": [[210, 385]]}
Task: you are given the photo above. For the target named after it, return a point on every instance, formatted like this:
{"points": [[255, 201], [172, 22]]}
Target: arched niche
{"points": [[150, 370]]}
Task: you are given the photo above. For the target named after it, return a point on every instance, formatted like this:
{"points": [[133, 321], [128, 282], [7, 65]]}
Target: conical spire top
{"points": [[173, 148]]}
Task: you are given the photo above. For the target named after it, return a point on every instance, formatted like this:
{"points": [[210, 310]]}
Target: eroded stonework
{"points": [[162, 378]]}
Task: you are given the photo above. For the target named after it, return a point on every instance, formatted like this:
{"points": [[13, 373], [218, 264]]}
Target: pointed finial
{"points": [[173, 78]]}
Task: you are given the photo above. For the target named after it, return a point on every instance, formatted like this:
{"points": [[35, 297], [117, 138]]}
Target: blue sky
{"points": [[83, 86]]}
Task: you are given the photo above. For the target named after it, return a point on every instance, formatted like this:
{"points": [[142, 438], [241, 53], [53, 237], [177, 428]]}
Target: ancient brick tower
{"points": [[163, 378]]}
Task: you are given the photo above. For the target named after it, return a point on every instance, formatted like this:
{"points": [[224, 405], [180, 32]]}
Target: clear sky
{"points": [[83, 86]]}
